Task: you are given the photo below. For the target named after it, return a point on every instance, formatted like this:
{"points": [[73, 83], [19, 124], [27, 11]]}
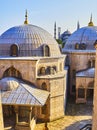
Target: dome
{"points": [[8, 84], [82, 39], [65, 35], [29, 39]]}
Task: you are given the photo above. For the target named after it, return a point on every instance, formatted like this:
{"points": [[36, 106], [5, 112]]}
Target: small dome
{"points": [[30, 40], [83, 38], [8, 84]]}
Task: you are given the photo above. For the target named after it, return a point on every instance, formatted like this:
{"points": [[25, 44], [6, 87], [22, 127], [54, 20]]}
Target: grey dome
{"points": [[85, 35], [65, 35], [30, 39], [8, 84]]}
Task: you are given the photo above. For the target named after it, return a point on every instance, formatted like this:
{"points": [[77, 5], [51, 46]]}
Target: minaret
{"points": [[78, 25], [55, 30], [59, 32], [94, 124], [90, 23], [26, 18]]}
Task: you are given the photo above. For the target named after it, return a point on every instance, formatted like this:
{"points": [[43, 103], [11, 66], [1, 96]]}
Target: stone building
{"points": [[32, 76], [81, 61], [94, 124]]}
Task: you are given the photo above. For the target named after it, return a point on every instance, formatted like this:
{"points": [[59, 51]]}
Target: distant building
{"points": [[81, 61], [64, 37], [32, 76]]}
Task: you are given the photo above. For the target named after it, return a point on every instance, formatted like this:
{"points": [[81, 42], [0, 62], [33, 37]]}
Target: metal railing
{"points": [[87, 127]]}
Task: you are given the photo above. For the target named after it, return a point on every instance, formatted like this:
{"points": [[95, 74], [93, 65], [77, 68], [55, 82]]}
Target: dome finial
{"points": [[26, 18], [90, 23]]}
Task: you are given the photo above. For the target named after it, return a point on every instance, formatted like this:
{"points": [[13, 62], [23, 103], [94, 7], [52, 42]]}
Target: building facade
{"points": [[81, 60], [33, 79]]}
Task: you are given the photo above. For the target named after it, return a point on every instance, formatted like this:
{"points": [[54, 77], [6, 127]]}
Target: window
{"points": [[46, 50], [82, 46], [91, 84], [89, 64], [42, 70], [44, 86], [12, 72], [93, 63], [44, 109], [77, 46], [81, 93], [14, 50]]}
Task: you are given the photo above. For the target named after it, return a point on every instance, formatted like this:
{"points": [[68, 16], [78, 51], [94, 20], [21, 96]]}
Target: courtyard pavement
{"points": [[77, 115]]}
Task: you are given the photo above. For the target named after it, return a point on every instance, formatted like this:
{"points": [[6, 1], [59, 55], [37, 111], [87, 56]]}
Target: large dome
{"points": [[82, 39], [30, 40]]}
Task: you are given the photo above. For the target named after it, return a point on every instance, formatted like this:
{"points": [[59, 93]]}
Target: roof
{"points": [[29, 39], [86, 73], [23, 94], [84, 37]]}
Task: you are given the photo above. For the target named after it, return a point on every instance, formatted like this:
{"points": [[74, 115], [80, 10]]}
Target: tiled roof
{"points": [[24, 94]]}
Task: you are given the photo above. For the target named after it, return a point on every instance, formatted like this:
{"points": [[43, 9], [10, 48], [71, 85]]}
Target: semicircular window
{"points": [[46, 50], [82, 46], [14, 50], [77, 46]]}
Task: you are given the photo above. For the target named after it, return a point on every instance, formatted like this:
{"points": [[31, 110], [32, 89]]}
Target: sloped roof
{"points": [[24, 94], [86, 73]]}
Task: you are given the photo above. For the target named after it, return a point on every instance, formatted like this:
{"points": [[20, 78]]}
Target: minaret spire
{"points": [[55, 30], [90, 23], [78, 25], [26, 18]]}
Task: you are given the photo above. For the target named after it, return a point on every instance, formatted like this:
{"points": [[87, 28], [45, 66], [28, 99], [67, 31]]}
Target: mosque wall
{"points": [[79, 61], [84, 87], [27, 68]]}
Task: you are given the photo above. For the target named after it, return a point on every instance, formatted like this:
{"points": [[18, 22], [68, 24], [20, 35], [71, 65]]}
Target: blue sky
{"points": [[44, 13]]}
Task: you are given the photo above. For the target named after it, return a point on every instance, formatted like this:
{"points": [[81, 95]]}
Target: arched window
{"points": [[12, 72], [77, 46], [91, 84], [14, 50], [89, 64], [93, 63], [82, 46], [46, 50], [42, 71], [44, 86]]}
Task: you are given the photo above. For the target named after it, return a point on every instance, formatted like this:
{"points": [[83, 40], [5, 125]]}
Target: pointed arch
{"points": [[12, 72]]}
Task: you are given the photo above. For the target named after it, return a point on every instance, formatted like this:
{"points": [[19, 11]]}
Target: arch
{"points": [[42, 71], [14, 50], [89, 64], [44, 86], [12, 72], [91, 84], [93, 63], [82, 46], [77, 46], [46, 50]]}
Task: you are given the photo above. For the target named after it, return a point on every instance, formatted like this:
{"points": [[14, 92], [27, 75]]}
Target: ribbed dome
{"points": [[29, 39], [85, 36], [8, 84]]}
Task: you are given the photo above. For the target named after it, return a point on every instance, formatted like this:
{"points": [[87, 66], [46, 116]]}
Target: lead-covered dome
{"points": [[28, 40], [82, 39]]}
